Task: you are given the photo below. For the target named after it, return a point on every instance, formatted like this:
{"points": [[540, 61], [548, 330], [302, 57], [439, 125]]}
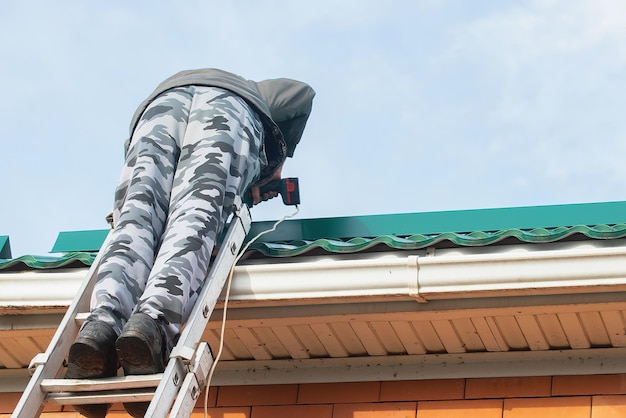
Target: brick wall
{"points": [[598, 396]]}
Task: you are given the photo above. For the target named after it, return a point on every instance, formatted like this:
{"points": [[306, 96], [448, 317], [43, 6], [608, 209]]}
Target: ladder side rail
{"points": [[200, 314], [188, 395], [194, 382], [168, 388], [31, 402]]}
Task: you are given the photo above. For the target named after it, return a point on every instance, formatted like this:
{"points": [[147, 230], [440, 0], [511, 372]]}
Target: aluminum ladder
{"points": [[171, 393]]}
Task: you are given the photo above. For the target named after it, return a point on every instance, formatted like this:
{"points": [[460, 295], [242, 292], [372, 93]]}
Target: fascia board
{"points": [[422, 367], [398, 368]]}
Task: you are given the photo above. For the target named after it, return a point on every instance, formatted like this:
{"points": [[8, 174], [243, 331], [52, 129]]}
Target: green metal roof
{"points": [[5, 247], [28, 262], [413, 242], [481, 227], [79, 241], [461, 221]]}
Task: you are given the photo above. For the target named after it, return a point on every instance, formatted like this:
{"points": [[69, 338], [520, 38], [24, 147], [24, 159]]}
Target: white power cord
{"points": [[223, 327]]}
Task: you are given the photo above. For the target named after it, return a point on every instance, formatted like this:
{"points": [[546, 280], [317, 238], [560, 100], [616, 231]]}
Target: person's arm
{"points": [[256, 192]]}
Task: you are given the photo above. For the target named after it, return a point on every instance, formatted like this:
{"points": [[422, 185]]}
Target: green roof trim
{"points": [[481, 227], [5, 247], [80, 241], [403, 225], [463, 221], [354, 245]]}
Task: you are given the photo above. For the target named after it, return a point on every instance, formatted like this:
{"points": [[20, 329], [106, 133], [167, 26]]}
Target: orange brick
{"points": [[211, 400], [570, 407], [418, 390], [52, 407], [491, 408], [314, 393], [376, 410], [293, 411], [8, 401], [508, 387], [257, 395], [221, 413], [599, 384], [608, 406]]}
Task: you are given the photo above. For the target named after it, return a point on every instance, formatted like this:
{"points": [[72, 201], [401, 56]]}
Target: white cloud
{"points": [[550, 68]]}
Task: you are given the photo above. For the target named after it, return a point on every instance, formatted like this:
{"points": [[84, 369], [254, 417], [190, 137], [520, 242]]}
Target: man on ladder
{"points": [[200, 139]]}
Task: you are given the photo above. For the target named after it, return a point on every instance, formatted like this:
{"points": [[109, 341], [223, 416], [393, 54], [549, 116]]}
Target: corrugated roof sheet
{"points": [[358, 244], [28, 262], [413, 242], [5, 247], [537, 224]]}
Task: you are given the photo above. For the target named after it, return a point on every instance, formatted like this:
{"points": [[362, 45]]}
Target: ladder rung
{"points": [[104, 384], [71, 398], [81, 317]]}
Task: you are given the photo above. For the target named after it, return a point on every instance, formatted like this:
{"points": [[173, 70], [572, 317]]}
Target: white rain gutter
{"points": [[424, 278], [55, 288], [438, 277], [544, 272]]}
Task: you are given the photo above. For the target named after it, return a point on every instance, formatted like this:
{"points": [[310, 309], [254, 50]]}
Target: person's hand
{"points": [[256, 191]]}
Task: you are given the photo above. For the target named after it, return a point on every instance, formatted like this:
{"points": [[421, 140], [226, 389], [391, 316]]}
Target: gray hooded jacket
{"points": [[283, 104]]}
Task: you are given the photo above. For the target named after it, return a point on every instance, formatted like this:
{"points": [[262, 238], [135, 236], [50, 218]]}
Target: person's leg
{"points": [[141, 205], [141, 208], [220, 157]]}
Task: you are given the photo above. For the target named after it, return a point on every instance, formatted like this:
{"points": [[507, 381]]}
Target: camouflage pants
{"points": [[192, 151]]}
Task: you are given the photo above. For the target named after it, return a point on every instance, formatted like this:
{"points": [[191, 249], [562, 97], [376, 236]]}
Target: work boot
{"points": [[141, 350], [93, 356]]}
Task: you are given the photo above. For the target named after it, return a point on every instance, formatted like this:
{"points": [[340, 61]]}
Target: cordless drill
{"points": [[287, 188]]}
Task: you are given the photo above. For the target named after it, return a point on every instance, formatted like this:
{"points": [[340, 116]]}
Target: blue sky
{"points": [[421, 105]]}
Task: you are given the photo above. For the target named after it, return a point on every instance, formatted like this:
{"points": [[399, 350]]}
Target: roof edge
{"points": [[406, 224], [423, 278], [402, 225]]}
